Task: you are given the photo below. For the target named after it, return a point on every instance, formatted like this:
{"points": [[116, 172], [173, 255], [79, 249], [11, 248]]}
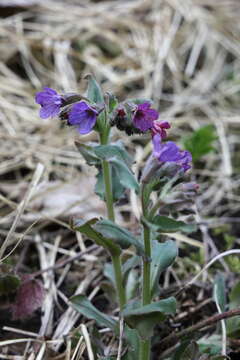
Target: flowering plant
{"points": [[163, 195]]}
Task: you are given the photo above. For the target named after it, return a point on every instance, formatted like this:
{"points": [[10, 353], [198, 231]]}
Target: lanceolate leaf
{"points": [[94, 92], [87, 229], [133, 342], [113, 150], [88, 153], [86, 308], [144, 318], [220, 291], [125, 175], [166, 224], [119, 235], [117, 188], [163, 255], [109, 235]]}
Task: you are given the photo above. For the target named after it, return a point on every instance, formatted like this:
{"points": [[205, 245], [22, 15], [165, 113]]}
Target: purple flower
{"points": [[170, 152], [50, 102], [144, 117], [159, 127], [83, 116]]}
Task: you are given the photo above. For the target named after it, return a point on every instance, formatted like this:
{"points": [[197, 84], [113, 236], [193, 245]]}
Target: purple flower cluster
{"points": [[82, 115], [170, 152], [144, 116]]}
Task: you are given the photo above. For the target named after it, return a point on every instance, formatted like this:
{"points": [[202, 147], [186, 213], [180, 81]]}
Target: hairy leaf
{"points": [[144, 318], [166, 224], [163, 255], [86, 227], [94, 92], [119, 235], [86, 308]]}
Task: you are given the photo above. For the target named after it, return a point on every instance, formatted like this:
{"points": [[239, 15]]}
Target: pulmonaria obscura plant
{"points": [[163, 193]]}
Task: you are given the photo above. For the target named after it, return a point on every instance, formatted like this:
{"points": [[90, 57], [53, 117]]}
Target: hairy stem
{"points": [[116, 260], [107, 179], [145, 345]]}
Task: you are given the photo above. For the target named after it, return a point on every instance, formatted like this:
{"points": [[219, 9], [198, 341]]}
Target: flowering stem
{"points": [[145, 345], [116, 260], [107, 178]]}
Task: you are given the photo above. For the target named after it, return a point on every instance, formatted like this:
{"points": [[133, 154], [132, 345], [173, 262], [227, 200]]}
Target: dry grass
{"points": [[182, 54]]}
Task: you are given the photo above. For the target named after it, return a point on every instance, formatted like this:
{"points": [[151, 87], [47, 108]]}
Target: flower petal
{"points": [[87, 124], [49, 111]]}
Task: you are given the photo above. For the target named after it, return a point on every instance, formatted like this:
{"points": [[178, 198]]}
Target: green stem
{"points": [[116, 260], [146, 289], [145, 345], [107, 179], [108, 189]]}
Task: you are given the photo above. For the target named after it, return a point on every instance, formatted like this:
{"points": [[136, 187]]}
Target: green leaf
{"points": [[200, 143], [233, 324], [86, 308], [163, 255], [109, 235], [132, 284], [131, 263], [118, 235], [125, 175], [112, 101], [219, 291], [86, 227], [211, 345], [94, 92], [133, 344], [166, 224], [106, 152], [144, 318], [88, 153], [117, 188], [9, 283]]}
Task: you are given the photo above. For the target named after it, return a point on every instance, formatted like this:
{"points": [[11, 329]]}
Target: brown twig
{"points": [[206, 322], [65, 262]]}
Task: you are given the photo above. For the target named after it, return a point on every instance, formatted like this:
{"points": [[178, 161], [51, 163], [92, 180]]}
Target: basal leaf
{"points": [[133, 344], [200, 143], [144, 318], [86, 308], [233, 324], [220, 292]]}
